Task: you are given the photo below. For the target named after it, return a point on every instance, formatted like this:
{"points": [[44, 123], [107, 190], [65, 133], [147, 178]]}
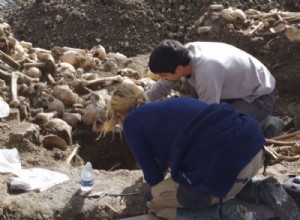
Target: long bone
{"points": [[7, 76], [14, 90], [38, 64], [9, 60], [86, 83], [24, 78], [60, 50], [73, 153]]}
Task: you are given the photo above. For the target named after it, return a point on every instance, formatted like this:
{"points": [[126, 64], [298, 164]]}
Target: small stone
{"points": [[14, 114], [59, 18]]}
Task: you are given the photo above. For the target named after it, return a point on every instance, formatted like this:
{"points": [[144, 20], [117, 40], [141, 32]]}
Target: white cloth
{"points": [[4, 109], [28, 179], [9, 160], [37, 178]]}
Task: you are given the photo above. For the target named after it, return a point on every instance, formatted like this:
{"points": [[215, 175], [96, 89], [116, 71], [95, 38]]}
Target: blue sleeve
{"points": [[142, 151]]}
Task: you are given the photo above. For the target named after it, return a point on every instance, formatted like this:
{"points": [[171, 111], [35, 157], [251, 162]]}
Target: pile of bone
{"points": [[253, 22], [59, 88], [285, 147]]}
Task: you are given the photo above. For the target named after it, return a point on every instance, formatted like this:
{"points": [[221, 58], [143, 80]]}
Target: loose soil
{"points": [[133, 28]]}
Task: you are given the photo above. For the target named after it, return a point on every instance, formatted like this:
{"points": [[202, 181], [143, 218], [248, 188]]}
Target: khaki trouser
{"points": [[165, 204]]}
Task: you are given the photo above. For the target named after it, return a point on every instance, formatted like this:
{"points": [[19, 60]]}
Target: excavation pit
{"points": [[108, 153]]}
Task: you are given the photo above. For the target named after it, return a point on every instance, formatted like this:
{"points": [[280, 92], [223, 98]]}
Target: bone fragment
{"points": [[7, 77], [256, 27], [277, 158], [26, 45], [114, 166], [51, 79], [44, 117], [284, 136], [24, 78], [9, 60], [38, 64], [270, 141], [14, 91], [216, 7], [73, 154], [60, 50], [85, 83], [292, 19]]}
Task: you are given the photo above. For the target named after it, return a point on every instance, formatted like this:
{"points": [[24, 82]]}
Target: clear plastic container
{"points": [[87, 178]]}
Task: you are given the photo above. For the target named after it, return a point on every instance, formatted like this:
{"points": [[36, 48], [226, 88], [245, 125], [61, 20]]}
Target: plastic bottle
{"points": [[87, 178]]}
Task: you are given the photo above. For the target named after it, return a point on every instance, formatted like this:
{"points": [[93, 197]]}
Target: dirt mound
{"points": [[129, 27], [133, 28]]}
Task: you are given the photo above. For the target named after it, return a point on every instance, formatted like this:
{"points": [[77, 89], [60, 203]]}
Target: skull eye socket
{"points": [[99, 123], [50, 99]]}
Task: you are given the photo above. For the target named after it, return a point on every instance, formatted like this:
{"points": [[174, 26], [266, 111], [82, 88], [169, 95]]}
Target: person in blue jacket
{"points": [[211, 150]]}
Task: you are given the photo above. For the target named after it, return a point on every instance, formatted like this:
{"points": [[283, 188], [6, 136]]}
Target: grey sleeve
{"points": [[159, 89]]}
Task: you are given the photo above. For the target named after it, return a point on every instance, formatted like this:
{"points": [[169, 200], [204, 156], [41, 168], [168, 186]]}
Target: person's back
{"points": [[162, 120], [189, 135], [221, 71], [157, 124]]}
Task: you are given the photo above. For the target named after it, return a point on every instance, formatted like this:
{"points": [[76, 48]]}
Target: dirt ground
{"points": [[133, 28]]}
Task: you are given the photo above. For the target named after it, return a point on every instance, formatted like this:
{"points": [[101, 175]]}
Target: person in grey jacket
{"points": [[217, 72]]}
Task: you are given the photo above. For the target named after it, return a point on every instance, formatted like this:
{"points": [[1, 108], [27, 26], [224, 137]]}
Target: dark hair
{"points": [[167, 56]]}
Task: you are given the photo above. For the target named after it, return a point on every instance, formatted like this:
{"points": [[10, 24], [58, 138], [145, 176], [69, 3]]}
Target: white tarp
{"points": [[4, 109], [9, 160], [36, 178], [28, 179]]}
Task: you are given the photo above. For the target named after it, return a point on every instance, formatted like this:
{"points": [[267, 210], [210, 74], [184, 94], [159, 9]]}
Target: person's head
{"points": [[169, 60], [124, 99]]}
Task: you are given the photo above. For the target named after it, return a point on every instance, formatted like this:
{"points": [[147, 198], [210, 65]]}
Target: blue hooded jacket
{"points": [[224, 140], [205, 145]]}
